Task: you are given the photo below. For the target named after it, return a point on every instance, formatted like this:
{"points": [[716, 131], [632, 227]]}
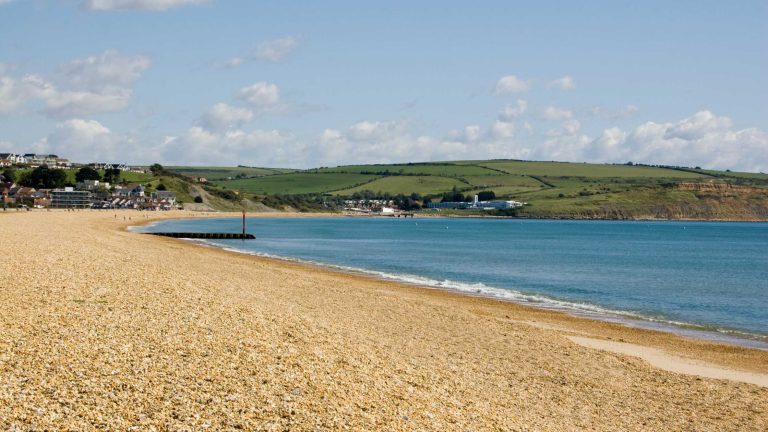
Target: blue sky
{"points": [[303, 84]]}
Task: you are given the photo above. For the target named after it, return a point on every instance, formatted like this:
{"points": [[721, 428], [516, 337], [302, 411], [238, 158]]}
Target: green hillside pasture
{"points": [[220, 173], [174, 184], [580, 186], [564, 169], [637, 201], [132, 177], [504, 185], [445, 170], [297, 183], [426, 185]]}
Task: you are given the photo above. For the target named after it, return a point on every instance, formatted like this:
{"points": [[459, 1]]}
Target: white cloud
{"points": [[12, 94], [512, 112], [512, 84], [103, 72], [89, 141], [63, 104], [564, 83], [262, 95], [703, 139], [555, 113], [224, 116], [94, 84], [503, 130], [233, 147], [277, 50], [152, 5], [273, 51]]}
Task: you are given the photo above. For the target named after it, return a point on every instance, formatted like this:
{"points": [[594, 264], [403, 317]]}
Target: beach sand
{"points": [[105, 329]]}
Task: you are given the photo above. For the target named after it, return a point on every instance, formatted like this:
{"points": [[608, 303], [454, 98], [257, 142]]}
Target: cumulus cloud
{"points": [[703, 139], [555, 113], [277, 50], [233, 147], [101, 83], [12, 94], [273, 51], [564, 83], [104, 71], [262, 95], [90, 141], [151, 5], [512, 84], [224, 116], [512, 112], [379, 142]]}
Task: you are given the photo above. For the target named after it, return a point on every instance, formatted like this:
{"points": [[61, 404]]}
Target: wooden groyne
{"points": [[210, 236]]}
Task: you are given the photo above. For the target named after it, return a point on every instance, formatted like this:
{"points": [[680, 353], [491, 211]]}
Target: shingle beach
{"points": [[106, 329]]}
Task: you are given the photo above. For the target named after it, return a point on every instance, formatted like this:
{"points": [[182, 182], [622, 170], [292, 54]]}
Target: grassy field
{"points": [[426, 185], [223, 173], [297, 183], [565, 169], [436, 169], [551, 189]]}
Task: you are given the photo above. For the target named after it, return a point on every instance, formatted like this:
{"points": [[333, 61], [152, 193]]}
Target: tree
{"points": [[43, 177], [10, 175], [87, 173], [112, 175], [486, 196], [156, 169], [198, 199], [161, 187]]}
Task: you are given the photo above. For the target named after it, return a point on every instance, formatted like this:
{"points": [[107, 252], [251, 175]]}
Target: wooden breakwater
{"points": [[210, 236]]}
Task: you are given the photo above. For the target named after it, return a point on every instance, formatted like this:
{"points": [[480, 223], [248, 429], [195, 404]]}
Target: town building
{"points": [[70, 198], [475, 205], [92, 185]]}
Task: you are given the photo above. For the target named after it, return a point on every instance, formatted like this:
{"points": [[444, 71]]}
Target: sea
{"points": [[700, 279]]}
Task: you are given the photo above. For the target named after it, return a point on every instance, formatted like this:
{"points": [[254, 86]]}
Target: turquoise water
{"points": [[704, 279]]}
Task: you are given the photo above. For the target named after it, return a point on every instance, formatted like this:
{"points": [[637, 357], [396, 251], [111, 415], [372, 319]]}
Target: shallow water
{"points": [[705, 279]]}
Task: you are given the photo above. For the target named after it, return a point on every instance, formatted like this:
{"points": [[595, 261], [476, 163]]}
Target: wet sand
{"points": [[105, 329]]}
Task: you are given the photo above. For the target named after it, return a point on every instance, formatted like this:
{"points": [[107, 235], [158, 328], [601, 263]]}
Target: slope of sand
{"points": [[104, 329]]}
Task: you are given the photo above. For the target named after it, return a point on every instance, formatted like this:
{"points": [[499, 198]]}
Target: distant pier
{"points": [[209, 236]]}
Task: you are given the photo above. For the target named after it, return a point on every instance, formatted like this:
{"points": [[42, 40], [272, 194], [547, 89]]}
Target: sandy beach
{"points": [[106, 329]]}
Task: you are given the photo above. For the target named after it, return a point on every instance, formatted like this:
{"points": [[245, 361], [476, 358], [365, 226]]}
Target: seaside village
{"points": [[97, 194]]}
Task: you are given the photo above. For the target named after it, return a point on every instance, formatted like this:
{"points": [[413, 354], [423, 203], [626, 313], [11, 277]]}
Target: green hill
{"points": [[551, 189]]}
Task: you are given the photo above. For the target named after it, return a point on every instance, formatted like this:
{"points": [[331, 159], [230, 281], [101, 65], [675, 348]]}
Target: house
{"points": [[167, 197], [92, 185], [8, 159], [22, 195], [134, 190], [5, 190]]}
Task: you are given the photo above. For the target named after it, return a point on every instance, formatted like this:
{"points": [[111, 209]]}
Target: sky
{"points": [[324, 83]]}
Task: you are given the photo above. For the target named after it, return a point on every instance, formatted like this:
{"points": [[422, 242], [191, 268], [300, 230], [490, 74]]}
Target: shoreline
{"points": [[132, 331], [625, 319], [559, 315]]}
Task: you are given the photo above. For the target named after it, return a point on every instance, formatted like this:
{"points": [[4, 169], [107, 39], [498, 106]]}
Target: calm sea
{"points": [[698, 278]]}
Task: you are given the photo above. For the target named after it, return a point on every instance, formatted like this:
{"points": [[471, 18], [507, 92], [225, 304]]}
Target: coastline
{"points": [[310, 347], [538, 301]]}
